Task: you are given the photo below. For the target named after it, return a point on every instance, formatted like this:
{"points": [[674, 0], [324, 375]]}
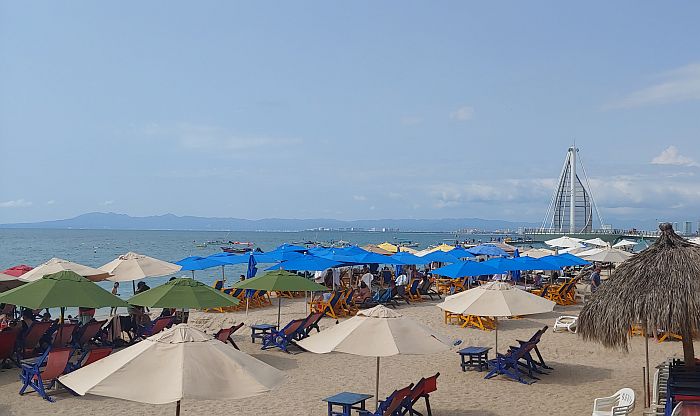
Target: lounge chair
{"points": [[534, 340], [620, 403], [27, 346], [444, 285], [508, 365], [88, 357], [346, 304], [44, 372], [425, 289], [63, 335], [224, 335], [394, 405], [310, 323], [398, 293], [422, 389], [329, 307], [85, 334], [566, 323], [155, 327], [8, 342], [483, 323], [283, 337], [413, 292]]}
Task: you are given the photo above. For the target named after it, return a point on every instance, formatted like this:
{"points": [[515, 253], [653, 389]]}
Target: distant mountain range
{"points": [[114, 221]]}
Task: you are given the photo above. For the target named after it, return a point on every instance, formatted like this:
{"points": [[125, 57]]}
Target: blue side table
{"points": [[260, 330], [347, 401], [478, 358]]}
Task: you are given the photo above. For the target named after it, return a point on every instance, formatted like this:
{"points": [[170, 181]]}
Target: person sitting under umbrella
{"points": [[363, 293]]}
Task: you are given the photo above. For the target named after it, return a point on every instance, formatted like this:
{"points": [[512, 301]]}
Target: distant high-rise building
{"points": [[688, 227]]}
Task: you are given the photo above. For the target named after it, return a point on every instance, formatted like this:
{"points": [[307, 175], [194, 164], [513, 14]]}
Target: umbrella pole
{"points": [[133, 286], [193, 274], [279, 309], [376, 389], [246, 306], [177, 409], [223, 275], [496, 336]]}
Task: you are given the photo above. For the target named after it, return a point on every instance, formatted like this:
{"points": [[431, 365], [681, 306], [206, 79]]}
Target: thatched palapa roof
{"points": [[659, 286]]}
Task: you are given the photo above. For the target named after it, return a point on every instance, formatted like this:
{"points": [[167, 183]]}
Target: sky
{"points": [[347, 110]]}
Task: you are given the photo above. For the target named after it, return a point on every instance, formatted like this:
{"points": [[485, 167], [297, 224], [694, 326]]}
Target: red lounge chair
{"points": [[224, 335], [54, 363], [422, 389], [8, 342], [86, 333], [89, 357], [63, 335], [157, 326], [31, 339]]}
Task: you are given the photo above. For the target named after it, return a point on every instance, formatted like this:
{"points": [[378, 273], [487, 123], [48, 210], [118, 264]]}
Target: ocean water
{"points": [[97, 247]]}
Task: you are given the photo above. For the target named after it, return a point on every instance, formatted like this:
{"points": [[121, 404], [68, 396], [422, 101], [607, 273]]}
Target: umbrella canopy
{"points": [[487, 250], [62, 289], [608, 255], [442, 247], [659, 287], [178, 363], [589, 252], [460, 252], [56, 265], [390, 333], [377, 250], [8, 282], [18, 270], [408, 258], [565, 260], [536, 253], [133, 266], [465, 268], [624, 243], [388, 247], [440, 256], [564, 242], [193, 263], [307, 263], [596, 242], [183, 293]]}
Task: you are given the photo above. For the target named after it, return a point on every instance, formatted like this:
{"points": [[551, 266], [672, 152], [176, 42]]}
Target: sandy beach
{"points": [[582, 371]]}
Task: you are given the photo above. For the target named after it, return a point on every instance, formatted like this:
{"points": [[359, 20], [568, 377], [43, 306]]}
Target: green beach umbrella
{"points": [[183, 293], [60, 290], [280, 281]]}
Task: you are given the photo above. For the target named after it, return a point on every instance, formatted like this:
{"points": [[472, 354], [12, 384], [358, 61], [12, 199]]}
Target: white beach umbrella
{"points": [[178, 363], [624, 243], [537, 253], [608, 255], [135, 266], [377, 332], [56, 265], [596, 242], [590, 252], [496, 299], [564, 242]]}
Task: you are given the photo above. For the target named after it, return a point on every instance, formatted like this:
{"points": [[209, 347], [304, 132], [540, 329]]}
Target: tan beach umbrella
{"points": [[134, 266], [589, 252], [607, 255], [496, 299], [56, 265], [178, 363], [537, 253], [377, 332], [377, 250], [391, 248]]}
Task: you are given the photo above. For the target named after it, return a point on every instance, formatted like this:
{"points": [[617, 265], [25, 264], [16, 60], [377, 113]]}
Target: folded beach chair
{"points": [[87, 333], [566, 323], [394, 405], [44, 372], [88, 357], [28, 345], [422, 389], [63, 335], [8, 343], [224, 334], [282, 338]]}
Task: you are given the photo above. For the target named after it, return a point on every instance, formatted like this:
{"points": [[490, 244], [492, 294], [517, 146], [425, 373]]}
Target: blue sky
{"points": [[347, 110]]}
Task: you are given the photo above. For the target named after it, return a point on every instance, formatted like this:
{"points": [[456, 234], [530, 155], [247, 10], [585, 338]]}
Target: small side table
{"points": [[348, 401], [260, 330], [478, 358]]}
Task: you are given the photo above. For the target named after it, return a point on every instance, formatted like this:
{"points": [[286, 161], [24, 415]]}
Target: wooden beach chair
{"points": [[8, 343], [443, 286], [328, 307], [395, 404], [310, 324], [283, 337], [425, 289], [422, 389], [483, 323], [88, 357], [63, 335], [225, 334], [86, 334], [155, 327], [413, 291], [534, 340], [507, 365], [28, 345], [44, 372]]}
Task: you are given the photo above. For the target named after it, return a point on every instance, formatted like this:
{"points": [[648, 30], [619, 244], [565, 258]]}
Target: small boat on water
{"points": [[238, 247]]}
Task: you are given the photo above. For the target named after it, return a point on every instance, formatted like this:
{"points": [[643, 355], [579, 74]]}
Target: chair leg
{"points": [[427, 405]]}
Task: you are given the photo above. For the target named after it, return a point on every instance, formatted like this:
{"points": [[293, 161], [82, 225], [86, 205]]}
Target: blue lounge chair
{"points": [[508, 365], [44, 372], [283, 337], [395, 405], [535, 339]]}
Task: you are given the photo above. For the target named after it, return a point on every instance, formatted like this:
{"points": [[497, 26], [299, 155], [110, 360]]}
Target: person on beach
{"points": [[367, 278], [363, 293], [115, 292], [595, 279], [241, 278]]}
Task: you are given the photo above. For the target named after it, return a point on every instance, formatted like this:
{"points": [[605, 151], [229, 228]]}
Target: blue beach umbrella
{"points": [[516, 273], [441, 257], [307, 263], [464, 269], [197, 263], [487, 250], [252, 270], [564, 260], [461, 253], [408, 258]]}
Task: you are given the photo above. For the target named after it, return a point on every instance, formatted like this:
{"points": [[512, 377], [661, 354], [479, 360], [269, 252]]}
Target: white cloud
{"points": [[462, 113], [670, 156], [16, 203], [108, 202], [681, 84], [359, 197], [50, 202]]}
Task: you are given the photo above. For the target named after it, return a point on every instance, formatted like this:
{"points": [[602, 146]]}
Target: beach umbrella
{"points": [[564, 242], [8, 282], [280, 281], [251, 271], [515, 274], [377, 250], [133, 266], [589, 252], [306, 263], [460, 252], [487, 250], [183, 293], [392, 248], [608, 255], [17, 271], [193, 263], [596, 242], [56, 265], [496, 299], [536, 253], [464, 269], [659, 288], [625, 243], [376, 332], [408, 258], [176, 364], [565, 260], [440, 257]]}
